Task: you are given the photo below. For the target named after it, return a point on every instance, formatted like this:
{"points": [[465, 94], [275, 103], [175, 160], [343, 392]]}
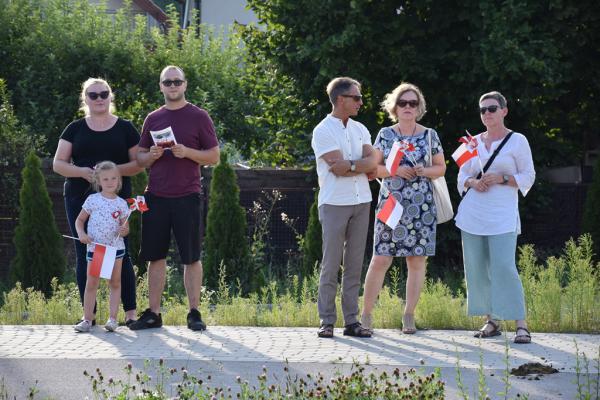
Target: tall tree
{"points": [[39, 249]]}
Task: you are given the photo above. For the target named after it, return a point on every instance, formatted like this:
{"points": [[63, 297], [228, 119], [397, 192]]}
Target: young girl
{"points": [[107, 225]]}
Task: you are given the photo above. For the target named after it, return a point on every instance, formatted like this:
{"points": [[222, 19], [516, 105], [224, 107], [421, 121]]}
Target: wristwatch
{"points": [[504, 179], [352, 166]]}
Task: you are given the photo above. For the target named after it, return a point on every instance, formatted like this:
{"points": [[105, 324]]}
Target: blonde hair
{"points": [[103, 166], [391, 100], [85, 86]]}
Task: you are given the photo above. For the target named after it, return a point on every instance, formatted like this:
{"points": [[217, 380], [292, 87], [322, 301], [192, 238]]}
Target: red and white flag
{"points": [[465, 151], [396, 153], [139, 203], [103, 261], [391, 212]]}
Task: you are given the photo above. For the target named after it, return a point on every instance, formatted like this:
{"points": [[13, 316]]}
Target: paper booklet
{"points": [[164, 138]]}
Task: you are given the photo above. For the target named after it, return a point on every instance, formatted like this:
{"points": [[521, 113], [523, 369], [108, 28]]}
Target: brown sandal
{"points": [[408, 324], [483, 333], [522, 338], [325, 331]]}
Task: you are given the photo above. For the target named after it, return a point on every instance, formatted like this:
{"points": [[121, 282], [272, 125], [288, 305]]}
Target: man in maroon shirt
{"points": [[173, 195]]}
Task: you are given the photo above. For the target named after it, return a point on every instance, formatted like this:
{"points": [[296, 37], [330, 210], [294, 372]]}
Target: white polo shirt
{"points": [[329, 135]]}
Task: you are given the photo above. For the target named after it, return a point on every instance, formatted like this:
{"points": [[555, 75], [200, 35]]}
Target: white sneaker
{"points": [[111, 325], [83, 326]]}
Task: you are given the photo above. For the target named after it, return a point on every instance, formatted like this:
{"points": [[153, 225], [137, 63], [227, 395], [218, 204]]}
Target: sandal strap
{"points": [[523, 329], [493, 324]]}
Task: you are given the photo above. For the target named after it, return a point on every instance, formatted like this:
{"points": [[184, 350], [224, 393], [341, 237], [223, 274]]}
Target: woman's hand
{"points": [[86, 173], [478, 184], [407, 173], [492, 179], [419, 170]]}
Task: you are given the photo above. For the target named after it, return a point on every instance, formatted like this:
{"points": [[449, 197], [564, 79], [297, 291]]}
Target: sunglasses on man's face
{"points": [[169, 82], [491, 109], [411, 103], [94, 96], [355, 97]]}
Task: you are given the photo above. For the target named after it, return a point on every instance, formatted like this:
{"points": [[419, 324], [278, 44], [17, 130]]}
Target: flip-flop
{"points": [[483, 333], [408, 324], [522, 338]]}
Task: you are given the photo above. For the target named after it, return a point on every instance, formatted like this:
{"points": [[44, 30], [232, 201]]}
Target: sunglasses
{"points": [[94, 96], [411, 103], [176, 82], [491, 109], [355, 97]]}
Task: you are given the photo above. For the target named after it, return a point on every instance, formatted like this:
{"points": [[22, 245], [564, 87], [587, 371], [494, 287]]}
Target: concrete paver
{"points": [[56, 356]]}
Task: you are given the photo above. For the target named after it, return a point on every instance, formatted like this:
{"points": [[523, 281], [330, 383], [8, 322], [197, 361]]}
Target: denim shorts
{"points": [[120, 254]]}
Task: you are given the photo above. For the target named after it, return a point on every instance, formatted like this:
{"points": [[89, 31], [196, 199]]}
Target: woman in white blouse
{"points": [[488, 217]]}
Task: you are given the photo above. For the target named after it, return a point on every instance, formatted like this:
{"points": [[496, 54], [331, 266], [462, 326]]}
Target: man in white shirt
{"points": [[344, 156]]}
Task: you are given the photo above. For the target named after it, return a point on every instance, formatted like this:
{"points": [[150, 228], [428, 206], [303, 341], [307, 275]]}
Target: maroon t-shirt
{"points": [[171, 176]]}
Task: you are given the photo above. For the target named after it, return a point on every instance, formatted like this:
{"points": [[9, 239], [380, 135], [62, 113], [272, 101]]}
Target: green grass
{"points": [[561, 295]]}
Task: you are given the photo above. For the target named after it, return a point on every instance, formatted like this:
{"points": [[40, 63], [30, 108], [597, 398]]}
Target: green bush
{"points": [[591, 214], [225, 242], [313, 240], [38, 244], [16, 143]]}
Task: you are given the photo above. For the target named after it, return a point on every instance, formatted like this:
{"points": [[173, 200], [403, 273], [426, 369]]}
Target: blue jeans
{"points": [[73, 205]]}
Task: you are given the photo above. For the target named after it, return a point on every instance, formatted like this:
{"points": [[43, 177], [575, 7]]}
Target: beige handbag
{"points": [[441, 196]]}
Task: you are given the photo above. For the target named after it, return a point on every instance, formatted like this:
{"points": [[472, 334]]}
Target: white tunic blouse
{"points": [[496, 211], [329, 135]]}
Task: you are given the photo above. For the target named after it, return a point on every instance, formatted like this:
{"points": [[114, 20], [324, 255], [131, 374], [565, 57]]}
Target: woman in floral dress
{"points": [[414, 235]]}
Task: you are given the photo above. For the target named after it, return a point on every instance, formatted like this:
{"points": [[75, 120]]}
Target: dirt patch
{"points": [[533, 368]]}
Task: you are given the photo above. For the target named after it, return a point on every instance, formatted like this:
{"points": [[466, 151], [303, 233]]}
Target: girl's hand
{"points": [[124, 229], [406, 173], [491, 179], [84, 238]]}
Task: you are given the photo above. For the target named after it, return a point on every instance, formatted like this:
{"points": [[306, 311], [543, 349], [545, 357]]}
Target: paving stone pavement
{"points": [[50, 351]]}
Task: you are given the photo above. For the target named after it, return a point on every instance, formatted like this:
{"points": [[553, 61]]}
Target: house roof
{"points": [[151, 8]]}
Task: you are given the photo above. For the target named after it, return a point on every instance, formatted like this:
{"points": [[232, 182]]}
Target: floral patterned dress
{"points": [[415, 233]]}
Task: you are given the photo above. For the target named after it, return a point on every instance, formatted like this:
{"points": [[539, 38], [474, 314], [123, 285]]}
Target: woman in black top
{"points": [[99, 136]]}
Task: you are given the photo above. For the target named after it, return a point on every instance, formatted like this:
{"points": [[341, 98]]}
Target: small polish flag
{"points": [[463, 154], [139, 203], [391, 212], [396, 153], [103, 261]]}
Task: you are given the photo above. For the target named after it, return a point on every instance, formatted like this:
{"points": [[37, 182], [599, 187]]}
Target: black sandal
{"points": [[523, 338], [325, 331], [357, 330], [483, 333]]}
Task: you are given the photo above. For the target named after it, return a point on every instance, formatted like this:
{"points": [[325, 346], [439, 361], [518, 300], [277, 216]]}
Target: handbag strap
{"points": [[491, 160], [430, 162]]}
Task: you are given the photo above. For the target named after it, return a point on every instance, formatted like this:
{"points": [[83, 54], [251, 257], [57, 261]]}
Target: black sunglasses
{"points": [[94, 96], [491, 109], [176, 82], [411, 103], [355, 97]]}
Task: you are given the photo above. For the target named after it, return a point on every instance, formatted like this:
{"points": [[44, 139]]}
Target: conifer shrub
{"points": [[226, 228], [591, 214], [313, 239], [38, 244]]}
